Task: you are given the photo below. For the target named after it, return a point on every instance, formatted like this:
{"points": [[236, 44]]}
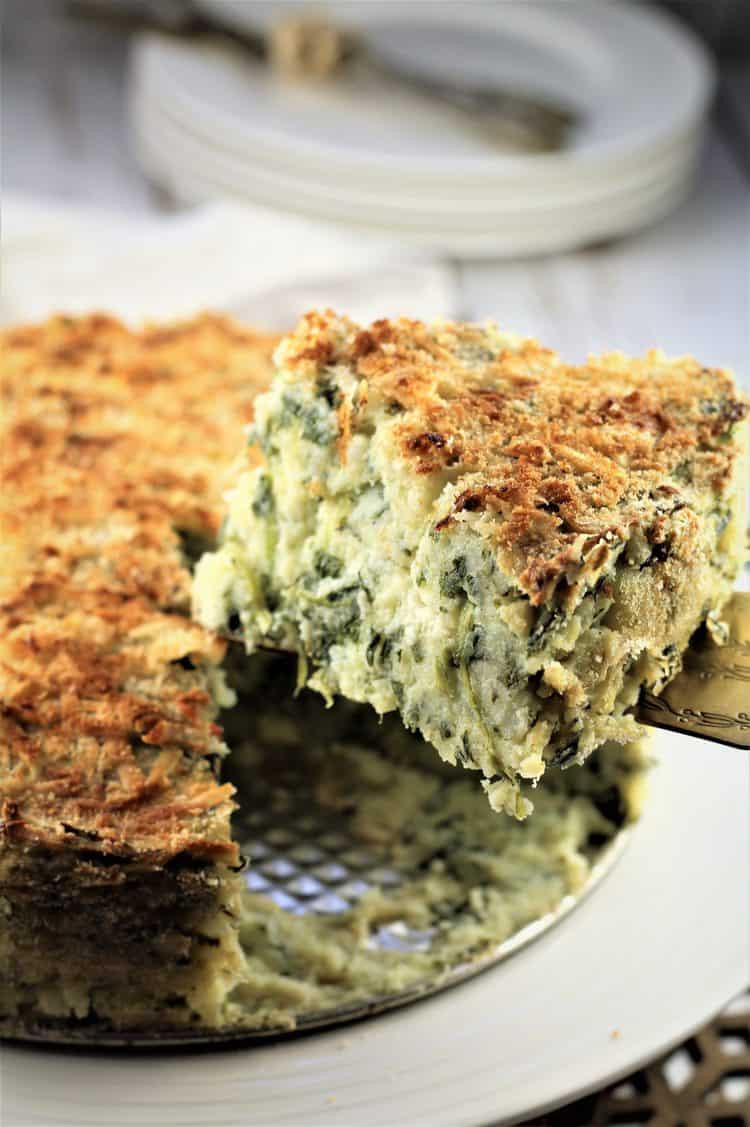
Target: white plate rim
{"points": [[584, 226], [541, 242]]}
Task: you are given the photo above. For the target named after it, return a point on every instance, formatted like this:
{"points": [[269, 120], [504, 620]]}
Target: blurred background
{"points": [[578, 170]]}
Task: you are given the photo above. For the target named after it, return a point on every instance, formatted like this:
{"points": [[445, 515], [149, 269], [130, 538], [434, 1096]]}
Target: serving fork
{"points": [[311, 48]]}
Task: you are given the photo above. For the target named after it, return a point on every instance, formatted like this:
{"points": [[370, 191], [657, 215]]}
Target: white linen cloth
{"points": [[262, 266]]}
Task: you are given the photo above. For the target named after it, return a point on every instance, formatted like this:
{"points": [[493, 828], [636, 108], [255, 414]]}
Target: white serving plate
{"points": [[655, 950]]}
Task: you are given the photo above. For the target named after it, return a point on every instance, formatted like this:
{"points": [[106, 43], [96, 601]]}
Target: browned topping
{"points": [[112, 442], [553, 452]]}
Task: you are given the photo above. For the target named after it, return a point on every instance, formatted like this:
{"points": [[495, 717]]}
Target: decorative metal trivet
{"points": [[705, 1082]]}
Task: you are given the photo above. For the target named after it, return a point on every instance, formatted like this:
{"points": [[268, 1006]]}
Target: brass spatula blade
{"points": [[710, 698]]}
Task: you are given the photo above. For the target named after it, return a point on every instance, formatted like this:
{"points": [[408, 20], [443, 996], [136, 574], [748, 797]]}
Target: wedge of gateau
{"points": [[118, 883], [451, 522]]}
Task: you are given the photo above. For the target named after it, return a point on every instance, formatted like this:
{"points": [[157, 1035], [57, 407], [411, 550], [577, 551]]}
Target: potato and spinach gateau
{"points": [[125, 904]]}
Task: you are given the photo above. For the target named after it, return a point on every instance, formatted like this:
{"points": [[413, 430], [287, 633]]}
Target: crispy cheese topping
{"points": [[112, 469]]}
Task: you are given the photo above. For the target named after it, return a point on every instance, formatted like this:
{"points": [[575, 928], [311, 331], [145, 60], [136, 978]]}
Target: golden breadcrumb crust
{"points": [[565, 457], [114, 448]]}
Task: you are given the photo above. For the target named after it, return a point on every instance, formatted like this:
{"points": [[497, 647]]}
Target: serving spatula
{"points": [[710, 697]]}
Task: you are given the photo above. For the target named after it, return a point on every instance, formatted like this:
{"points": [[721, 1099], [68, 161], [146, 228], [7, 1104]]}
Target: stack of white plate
{"points": [[368, 154]]}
